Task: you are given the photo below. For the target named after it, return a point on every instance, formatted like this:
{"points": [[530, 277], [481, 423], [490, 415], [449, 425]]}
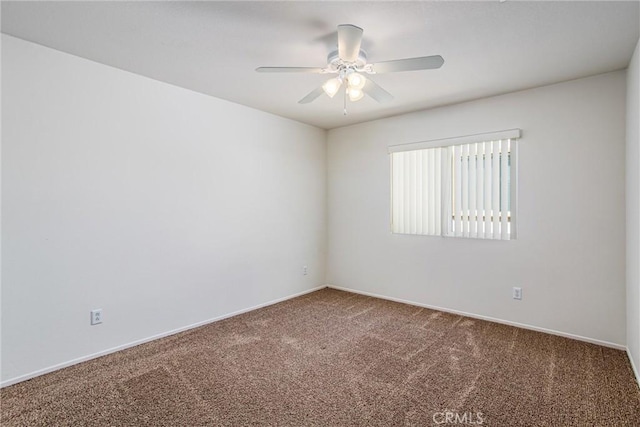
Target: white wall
{"points": [[162, 206], [570, 254], [633, 209]]}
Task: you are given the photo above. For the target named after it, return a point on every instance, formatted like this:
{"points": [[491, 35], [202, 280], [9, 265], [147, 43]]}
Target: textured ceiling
{"points": [[214, 47]]}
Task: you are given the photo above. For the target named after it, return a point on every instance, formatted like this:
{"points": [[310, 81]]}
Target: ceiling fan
{"points": [[349, 64]]}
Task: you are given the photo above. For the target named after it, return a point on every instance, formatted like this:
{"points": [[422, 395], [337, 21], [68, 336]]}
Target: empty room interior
{"points": [[320, 213]]}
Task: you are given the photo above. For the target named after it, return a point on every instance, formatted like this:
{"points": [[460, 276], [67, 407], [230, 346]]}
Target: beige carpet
{"points": [[332, 358]]}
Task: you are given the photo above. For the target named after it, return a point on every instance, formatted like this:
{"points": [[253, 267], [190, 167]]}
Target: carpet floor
{"points": [[332, 358]]}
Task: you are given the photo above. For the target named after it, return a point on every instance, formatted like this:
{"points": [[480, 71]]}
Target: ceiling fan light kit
{"points": [[355, 84], [349, 62]]}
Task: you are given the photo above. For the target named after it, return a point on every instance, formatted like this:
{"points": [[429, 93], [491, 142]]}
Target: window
{"points": [[462, 187]]}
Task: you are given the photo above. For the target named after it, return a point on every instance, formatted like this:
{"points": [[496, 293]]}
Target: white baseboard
{"points": [[490, 319], [634, 367], [58, 366]]}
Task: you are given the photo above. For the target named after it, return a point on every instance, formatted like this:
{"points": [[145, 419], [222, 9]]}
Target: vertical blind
{"points": [[463, 189], [481, 190], [417, 192]]}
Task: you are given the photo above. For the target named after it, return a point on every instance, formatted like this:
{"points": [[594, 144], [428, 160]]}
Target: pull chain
{"points": [[345, 101]]}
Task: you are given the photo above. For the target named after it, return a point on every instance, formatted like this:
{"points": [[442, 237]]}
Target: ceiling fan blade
{"points": [[376, 92], [313, 70], [409, 64], [349, 40], [312, 96]]}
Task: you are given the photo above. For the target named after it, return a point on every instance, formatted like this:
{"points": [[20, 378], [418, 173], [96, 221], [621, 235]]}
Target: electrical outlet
{"points": [[304, 270], [517, 293], [96, 316]]}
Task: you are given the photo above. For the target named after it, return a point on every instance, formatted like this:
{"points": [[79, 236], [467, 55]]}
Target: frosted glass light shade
{"points": [[331, 87], [356, 81], [355, 94]]}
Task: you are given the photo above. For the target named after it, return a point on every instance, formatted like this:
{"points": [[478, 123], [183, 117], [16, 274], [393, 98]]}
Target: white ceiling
{"points": [[214, 47]]}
